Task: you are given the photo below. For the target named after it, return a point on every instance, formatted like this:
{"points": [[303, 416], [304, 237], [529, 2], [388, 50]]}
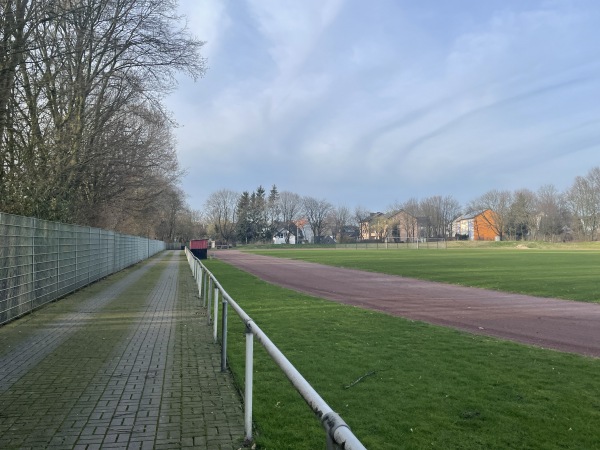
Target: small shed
{"points": [[199, 248]]}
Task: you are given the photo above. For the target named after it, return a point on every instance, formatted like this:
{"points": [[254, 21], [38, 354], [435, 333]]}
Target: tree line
{"points": [[257, 217], [84, 136], [546, 214]]}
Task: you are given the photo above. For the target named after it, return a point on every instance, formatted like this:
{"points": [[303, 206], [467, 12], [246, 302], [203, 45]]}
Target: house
{"points": [[306, 233], [369, 226], [478, 225], [299, 232], [280, 237], [327, 240], [397, 226]]}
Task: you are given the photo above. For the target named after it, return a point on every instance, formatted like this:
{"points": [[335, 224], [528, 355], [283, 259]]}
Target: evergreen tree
{"points": [[257, 215], [273, 213], [243, 230]]}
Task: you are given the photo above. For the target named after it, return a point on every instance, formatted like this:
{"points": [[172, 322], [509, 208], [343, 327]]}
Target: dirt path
{"points": [[550, 323]]}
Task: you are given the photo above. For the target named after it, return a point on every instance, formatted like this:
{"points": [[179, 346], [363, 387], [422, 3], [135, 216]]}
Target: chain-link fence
{"points": [[41, 261]]}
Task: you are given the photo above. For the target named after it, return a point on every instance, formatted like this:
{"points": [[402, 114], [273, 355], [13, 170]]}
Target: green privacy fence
{"points": [[41, 261]]}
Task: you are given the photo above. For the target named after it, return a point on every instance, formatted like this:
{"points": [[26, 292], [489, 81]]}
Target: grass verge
{"points": [[422, 386]]}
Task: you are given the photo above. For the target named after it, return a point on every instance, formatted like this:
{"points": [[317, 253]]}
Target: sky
{"points": [[372, 103]]}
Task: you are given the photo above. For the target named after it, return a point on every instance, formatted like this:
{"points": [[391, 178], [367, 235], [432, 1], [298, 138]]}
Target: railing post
{"points": [[224, 336], [215, 313], [209, 300], [330, 443], [204, 289], [248, 384], [199, 280], [331, 423], [206, 282]]}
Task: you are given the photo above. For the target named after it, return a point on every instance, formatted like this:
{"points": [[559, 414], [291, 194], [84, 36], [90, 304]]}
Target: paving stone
{"points": [[122, 373]]}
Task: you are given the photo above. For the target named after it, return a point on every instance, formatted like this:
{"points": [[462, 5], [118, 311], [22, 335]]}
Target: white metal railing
{"points": [[338, 434], [41, 261]]}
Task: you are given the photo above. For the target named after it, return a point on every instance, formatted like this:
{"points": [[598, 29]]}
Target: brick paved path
{"points": [[132, 366]]}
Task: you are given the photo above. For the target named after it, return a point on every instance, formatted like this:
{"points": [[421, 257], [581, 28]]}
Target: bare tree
{"points": [[15, 17], [316, 212], [361, 217], [584, 201], [167, 206], [339, 220], [410, 227], [522, 223], [191, 224], [80, 103], [290, 209], [553, 215], [450, 210], [380, 225], [429, 210], [439, 213], [499, 202], [221, 214]]}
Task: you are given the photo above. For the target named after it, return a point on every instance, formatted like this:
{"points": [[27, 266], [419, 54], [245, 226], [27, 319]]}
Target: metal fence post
{"points": [[224, 336], [58, 236], [248, 384], [89, 253], [32, 293], [215, 313], [200, 279]]}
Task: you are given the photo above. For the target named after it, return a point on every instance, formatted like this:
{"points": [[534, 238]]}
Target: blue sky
{"points": [[372, 103]]}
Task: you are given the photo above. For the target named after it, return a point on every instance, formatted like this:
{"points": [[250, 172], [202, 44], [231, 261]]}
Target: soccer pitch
{"points": [[566, 274]]}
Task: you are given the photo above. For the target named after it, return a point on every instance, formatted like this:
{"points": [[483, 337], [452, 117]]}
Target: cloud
{"points": [[327, 96], [292, 29], [208, 20], [491, 76], [530, 41]]}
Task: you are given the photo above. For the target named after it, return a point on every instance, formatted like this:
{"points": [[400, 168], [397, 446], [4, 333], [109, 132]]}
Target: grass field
{"points": [[559, 273], [424, 386]]}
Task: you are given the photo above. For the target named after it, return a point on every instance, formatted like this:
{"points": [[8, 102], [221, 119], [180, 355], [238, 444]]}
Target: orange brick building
{"points": [[478, 226]]}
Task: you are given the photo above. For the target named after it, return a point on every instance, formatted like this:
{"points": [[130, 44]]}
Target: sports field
{"points": [[420, 386], [555, 273]]}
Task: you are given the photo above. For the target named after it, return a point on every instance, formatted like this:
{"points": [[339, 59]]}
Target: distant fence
{"points": [[424, 243], [41, 261], [337, 433]]}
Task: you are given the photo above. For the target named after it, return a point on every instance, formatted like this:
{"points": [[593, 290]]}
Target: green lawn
{"points": [[427, 386], [567, 274]]}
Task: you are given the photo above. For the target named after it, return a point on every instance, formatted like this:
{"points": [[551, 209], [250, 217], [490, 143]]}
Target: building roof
{"points": [[392, 214], [473, 214]]}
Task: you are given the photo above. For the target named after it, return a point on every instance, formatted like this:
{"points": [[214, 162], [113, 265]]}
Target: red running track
{"points": [[545, 322]]}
